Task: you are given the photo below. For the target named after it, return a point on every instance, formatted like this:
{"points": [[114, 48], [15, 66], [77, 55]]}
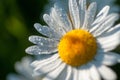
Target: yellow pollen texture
{"points": [[77, 47]]}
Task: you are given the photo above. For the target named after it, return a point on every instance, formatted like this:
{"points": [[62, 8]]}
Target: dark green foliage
{"points": [[16, 24]]}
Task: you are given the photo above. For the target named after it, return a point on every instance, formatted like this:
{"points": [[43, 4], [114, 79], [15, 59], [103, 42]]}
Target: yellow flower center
{"points": [[77, 47]]}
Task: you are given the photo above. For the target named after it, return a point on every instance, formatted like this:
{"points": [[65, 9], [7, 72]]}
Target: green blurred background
{"points": [[16, 25]]}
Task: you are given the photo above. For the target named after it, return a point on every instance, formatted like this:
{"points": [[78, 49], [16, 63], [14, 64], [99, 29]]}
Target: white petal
{"points": [[26, 61], [46, 60], [63, 19], [42, 41], [94, 74], [80, 75], [110, 58], [47, 31], [107, 73], [105, 24], [89, 16], [112, 30], [37, 76], [63, 74], [24, 67], [74, 13], [48, 67], [84, 73], [101, 15], [36, 50], [82, 11], [75, 74], [109, 42], [53, 24], [42, 67], [56, 19], [54, 74], [69, 73]]}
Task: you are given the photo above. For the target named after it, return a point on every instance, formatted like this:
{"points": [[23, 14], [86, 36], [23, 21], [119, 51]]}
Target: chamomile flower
{"points": [[77, 43], [24, 70]]}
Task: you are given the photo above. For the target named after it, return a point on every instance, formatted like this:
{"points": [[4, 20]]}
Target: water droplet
{"points": [[39, 39], [39, 52], [60, 15], [40, 29], [41, 44]]}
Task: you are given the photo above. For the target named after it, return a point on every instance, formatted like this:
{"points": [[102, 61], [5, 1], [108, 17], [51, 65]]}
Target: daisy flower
{"points": [[77, 43], [24, 70]]}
